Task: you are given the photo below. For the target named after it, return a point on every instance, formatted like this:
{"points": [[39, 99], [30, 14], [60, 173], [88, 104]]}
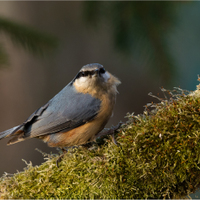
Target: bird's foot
{"points": [[110, 131], [64, 151]]}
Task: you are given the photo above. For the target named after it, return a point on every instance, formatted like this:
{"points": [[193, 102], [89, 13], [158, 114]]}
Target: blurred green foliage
{"points": [[157, 157], [29, 38], [139, 26]]}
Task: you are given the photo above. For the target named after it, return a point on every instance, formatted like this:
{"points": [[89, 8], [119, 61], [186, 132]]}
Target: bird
{"points": [[74, 116]]}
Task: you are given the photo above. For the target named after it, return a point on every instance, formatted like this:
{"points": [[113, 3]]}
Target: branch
{"points": [[157, 156]]}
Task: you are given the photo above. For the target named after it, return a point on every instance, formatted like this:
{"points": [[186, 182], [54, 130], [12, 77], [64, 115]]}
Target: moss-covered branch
{"points": [[157, 157]]}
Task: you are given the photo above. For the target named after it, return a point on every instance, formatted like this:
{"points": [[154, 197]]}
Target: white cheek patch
{"points": [[106, 76], [82, 81]]}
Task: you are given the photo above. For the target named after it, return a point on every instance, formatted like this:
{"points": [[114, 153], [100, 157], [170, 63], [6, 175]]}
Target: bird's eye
{"points": [[80, 74], [102, 71], [83, 74]]}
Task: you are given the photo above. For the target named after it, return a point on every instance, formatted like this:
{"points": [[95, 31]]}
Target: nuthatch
{"points": [[75, 115]]}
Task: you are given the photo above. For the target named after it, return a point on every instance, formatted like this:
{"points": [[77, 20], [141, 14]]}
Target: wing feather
{"points": [[67, 110]]}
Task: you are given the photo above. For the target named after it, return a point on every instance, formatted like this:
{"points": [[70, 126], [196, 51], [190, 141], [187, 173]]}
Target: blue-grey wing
{"points": [[67, 110]]}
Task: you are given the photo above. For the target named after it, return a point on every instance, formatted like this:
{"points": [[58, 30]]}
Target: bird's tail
{"points": [[8, 132]]}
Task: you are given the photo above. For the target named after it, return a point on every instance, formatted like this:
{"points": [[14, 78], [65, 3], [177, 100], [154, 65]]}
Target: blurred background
{"points": [[44, 44]]}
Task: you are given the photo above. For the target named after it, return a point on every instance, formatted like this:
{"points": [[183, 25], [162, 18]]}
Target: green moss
{"points": [[157, 157]]}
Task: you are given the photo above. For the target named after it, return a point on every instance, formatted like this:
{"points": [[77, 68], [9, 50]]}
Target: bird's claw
{"points": [[113, 139], [110, 132], [114, 130], [64, 151]]}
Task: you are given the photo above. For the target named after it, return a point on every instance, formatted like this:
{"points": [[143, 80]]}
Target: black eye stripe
{"points": [[102, 70], [87, 73], [84, 73]]}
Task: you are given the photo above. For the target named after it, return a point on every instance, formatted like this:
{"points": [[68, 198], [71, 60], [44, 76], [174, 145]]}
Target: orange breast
{"points": [[77, 136], [87, 132], [84, 133]]}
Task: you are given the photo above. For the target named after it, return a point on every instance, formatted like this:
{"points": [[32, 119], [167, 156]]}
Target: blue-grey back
{"points": [[65, 111]]}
